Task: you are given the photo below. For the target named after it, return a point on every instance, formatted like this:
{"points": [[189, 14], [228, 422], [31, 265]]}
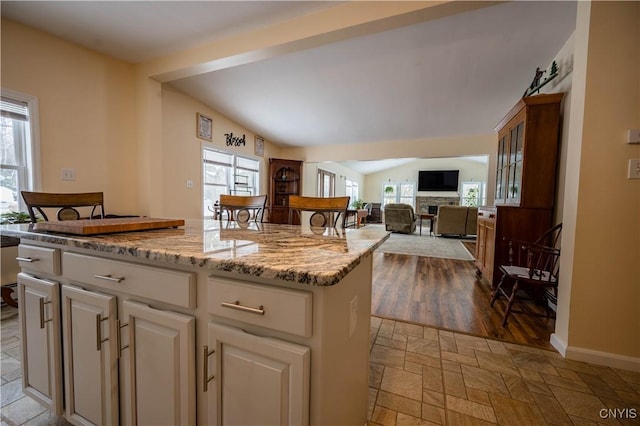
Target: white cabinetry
{"points": [[90, 356], [38, 301], [124, 340], [159, 367], [271, 374], [126, 361], [256, 379]]}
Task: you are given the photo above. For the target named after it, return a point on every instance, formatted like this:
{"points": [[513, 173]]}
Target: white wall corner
{"points": [[559, 343]]}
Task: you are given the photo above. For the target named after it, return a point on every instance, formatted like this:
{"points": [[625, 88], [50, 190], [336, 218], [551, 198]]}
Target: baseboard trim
{"points": [[595, 357], [558, 343]]}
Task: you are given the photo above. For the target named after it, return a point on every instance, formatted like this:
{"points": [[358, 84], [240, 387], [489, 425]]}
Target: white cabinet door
{"points": [[39, 310], [256, 380], [90, 356], [158, 366]]}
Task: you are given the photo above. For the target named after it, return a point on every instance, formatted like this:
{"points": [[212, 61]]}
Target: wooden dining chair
{"points": [[534, 266], [243, 208], [327, 211], [67, 204]]}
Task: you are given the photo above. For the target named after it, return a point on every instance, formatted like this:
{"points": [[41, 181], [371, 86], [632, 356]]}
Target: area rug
{"points": [[425, 245]]}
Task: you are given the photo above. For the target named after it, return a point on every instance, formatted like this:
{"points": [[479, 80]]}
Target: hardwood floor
{"points": [[445, 293]]}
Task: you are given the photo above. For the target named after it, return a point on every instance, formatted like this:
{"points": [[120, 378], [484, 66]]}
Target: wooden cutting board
{"points": [[107, 226]]}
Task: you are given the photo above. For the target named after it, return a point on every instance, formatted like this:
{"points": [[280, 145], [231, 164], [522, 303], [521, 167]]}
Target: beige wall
{"points": [[310, 178], [599, 302], [562, 84], [87, 117], [469, 171], [124, 134], [183, 151]]}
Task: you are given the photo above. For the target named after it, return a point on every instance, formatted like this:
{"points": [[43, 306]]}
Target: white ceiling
{"points": [[453, 76]]}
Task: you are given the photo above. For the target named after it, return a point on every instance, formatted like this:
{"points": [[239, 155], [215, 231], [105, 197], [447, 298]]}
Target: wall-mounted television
{"points": [[438, 180]]}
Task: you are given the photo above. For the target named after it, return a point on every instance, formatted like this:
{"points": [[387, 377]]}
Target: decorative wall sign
{"points": [[536, 84], [259, 146], [235, 140], [204, 126]]}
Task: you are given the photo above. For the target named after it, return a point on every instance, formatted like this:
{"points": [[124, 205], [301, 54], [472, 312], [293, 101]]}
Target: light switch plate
{"points": [[634, 168], [633, 136], [68, 174]]}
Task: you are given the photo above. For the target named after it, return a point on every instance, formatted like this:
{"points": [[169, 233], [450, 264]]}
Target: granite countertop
{"points": [[284, 252]]}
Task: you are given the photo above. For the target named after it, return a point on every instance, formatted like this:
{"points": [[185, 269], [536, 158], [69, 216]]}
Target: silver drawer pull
{"points": [[42, 312], [109, 278], [27, 259], [236, 305], [206, 378]]}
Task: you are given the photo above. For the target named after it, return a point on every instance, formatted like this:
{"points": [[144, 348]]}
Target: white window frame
{"points": [[482, 194], [32, 174], [396, 196], [323, 191], [230, 187], [352, 189]]}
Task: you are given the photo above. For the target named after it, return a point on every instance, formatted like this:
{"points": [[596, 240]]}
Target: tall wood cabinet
{"points": [[284, 180], [528, 141]]}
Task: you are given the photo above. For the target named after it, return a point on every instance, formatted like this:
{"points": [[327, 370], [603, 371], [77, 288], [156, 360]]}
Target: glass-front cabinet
{"points": [[527, 153], [526, 163]]}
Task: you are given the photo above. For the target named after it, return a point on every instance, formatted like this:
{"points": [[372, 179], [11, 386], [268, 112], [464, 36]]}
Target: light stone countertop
{"points": [[314, 256]]}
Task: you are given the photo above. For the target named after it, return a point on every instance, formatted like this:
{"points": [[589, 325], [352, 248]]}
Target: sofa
{"points": [[456, 220], [400, 218]]}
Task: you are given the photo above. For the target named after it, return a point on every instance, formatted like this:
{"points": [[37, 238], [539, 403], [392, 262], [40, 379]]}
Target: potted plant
{"points": [[388, 189], [14, 217], [358, 204]]}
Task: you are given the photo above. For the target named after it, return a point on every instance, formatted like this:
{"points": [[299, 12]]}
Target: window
{"points": [[352, 190], [326, 183], [18, 123], [399, 192], [227, 173], [473, 194]]}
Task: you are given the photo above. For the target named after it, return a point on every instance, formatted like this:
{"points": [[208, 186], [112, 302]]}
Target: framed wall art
{"points": [[204, 126], [259, 146]]}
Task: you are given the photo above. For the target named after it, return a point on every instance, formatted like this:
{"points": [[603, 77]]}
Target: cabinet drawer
{"points": [[39, 259], [164, 285], [270, 307]]}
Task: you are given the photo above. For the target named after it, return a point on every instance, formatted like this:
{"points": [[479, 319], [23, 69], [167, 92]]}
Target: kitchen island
{"points": [[209, 323]]}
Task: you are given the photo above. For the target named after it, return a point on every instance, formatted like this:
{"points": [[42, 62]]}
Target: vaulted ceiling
{"points": [[452, 76]]}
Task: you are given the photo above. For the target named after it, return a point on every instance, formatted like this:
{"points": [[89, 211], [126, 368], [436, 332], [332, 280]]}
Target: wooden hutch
{"points": [[284, 180], [528, 144]]}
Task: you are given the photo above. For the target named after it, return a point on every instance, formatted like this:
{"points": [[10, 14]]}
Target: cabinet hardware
{"points": [[27, 259], [236, 305], [42, 320], [99, 340], [109, 278], [206, 378], [119, 338]]}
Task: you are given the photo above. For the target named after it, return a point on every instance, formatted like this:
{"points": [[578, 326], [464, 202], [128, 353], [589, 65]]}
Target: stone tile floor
{"points": [[425, 376]]}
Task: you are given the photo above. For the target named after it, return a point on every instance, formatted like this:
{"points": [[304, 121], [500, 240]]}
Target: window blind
{"points": [[16, 110]]}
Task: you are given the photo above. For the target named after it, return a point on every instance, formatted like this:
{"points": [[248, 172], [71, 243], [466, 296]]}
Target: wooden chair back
{"points": [[535, 265], [66, 203], [326, 211], [243, 208]]}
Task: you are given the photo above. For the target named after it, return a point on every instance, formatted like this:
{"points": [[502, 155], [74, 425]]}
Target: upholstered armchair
{"points": [[399, 218], [456, 220]]}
